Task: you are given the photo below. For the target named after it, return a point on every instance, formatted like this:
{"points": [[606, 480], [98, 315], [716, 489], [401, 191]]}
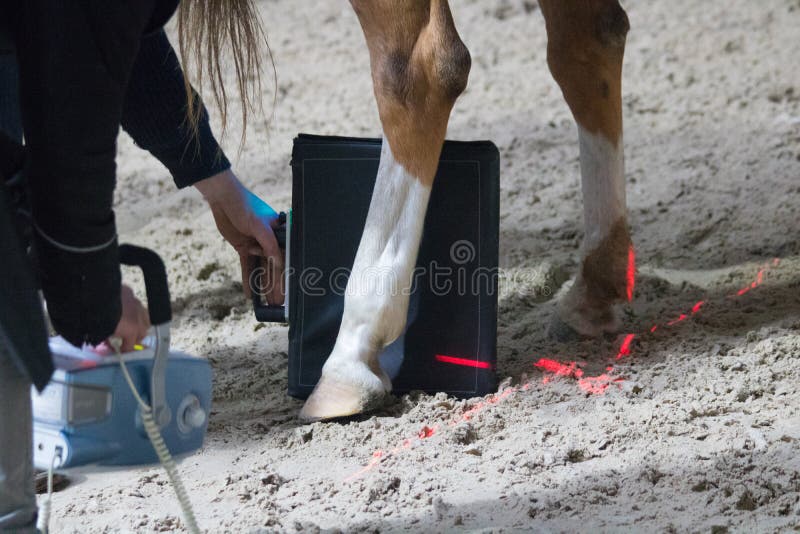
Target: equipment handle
{"points": [[267, 313], [155, 280], [280, 231]]}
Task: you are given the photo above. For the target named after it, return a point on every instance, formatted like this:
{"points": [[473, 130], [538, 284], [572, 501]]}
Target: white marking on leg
{"points": [[603, 186], [376, 299]]}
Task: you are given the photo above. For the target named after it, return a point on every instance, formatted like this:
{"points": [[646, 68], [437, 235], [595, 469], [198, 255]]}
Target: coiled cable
{"points": [[43, 524], [154, 434]]}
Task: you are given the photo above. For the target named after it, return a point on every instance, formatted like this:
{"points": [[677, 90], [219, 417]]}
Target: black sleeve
{"points": [[155, 115]]}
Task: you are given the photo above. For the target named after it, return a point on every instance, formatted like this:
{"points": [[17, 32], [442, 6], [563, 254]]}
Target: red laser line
{"points": [[682, 317], [429, 431], [558, 368], [426, 432], [596, 385], [463, 361], [625, 348], [759, 279], [599, 384], [630, 274]]}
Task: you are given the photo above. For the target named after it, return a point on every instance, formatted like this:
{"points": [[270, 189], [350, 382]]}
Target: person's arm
{"points": [[245, 221], [155, 117]]}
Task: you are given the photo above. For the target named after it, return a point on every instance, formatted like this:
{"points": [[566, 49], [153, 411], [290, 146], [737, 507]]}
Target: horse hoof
{"points": [[335, 397]]}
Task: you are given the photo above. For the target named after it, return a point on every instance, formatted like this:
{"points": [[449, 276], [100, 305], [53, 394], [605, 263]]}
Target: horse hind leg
{"points": [[586, 41]]}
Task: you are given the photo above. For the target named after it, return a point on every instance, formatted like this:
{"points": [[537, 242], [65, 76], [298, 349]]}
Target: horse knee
{"points": [[584, 52], [439, 65], [612, 26], [451, 68], [586, 40]]}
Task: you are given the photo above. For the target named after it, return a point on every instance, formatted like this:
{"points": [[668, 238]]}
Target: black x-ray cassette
{"points": [[450, 340]]}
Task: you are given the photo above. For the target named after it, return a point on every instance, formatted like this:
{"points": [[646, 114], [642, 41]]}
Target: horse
{"points": [[419, 67]]}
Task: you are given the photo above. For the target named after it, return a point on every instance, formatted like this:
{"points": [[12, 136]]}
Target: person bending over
{"points": [[84, 69]]}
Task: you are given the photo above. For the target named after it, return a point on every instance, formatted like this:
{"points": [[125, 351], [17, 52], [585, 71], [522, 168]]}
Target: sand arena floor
{"points": [[697, 425]]}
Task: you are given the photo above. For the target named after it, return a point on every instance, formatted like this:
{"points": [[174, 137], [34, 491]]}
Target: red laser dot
{"points": [[472, 411], [548, 365], [654, 328], [463, 361], [630, 274], [597, 385], [680, 318], [697, 306], [594, 389], [625, 348], [558, 368], [590, 386]]}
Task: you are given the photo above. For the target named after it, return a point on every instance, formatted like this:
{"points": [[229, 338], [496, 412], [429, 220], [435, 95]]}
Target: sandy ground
{"points": [[698, 427]]}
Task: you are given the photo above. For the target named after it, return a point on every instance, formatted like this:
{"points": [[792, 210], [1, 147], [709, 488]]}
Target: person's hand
{"points": [[134, 323], [246, 222]]}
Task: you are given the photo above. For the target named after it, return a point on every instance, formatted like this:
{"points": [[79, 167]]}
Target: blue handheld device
{"points": [[88, 414]]}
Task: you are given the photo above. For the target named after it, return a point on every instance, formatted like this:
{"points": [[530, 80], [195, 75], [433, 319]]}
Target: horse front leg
{"points": [[419, 67]]}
